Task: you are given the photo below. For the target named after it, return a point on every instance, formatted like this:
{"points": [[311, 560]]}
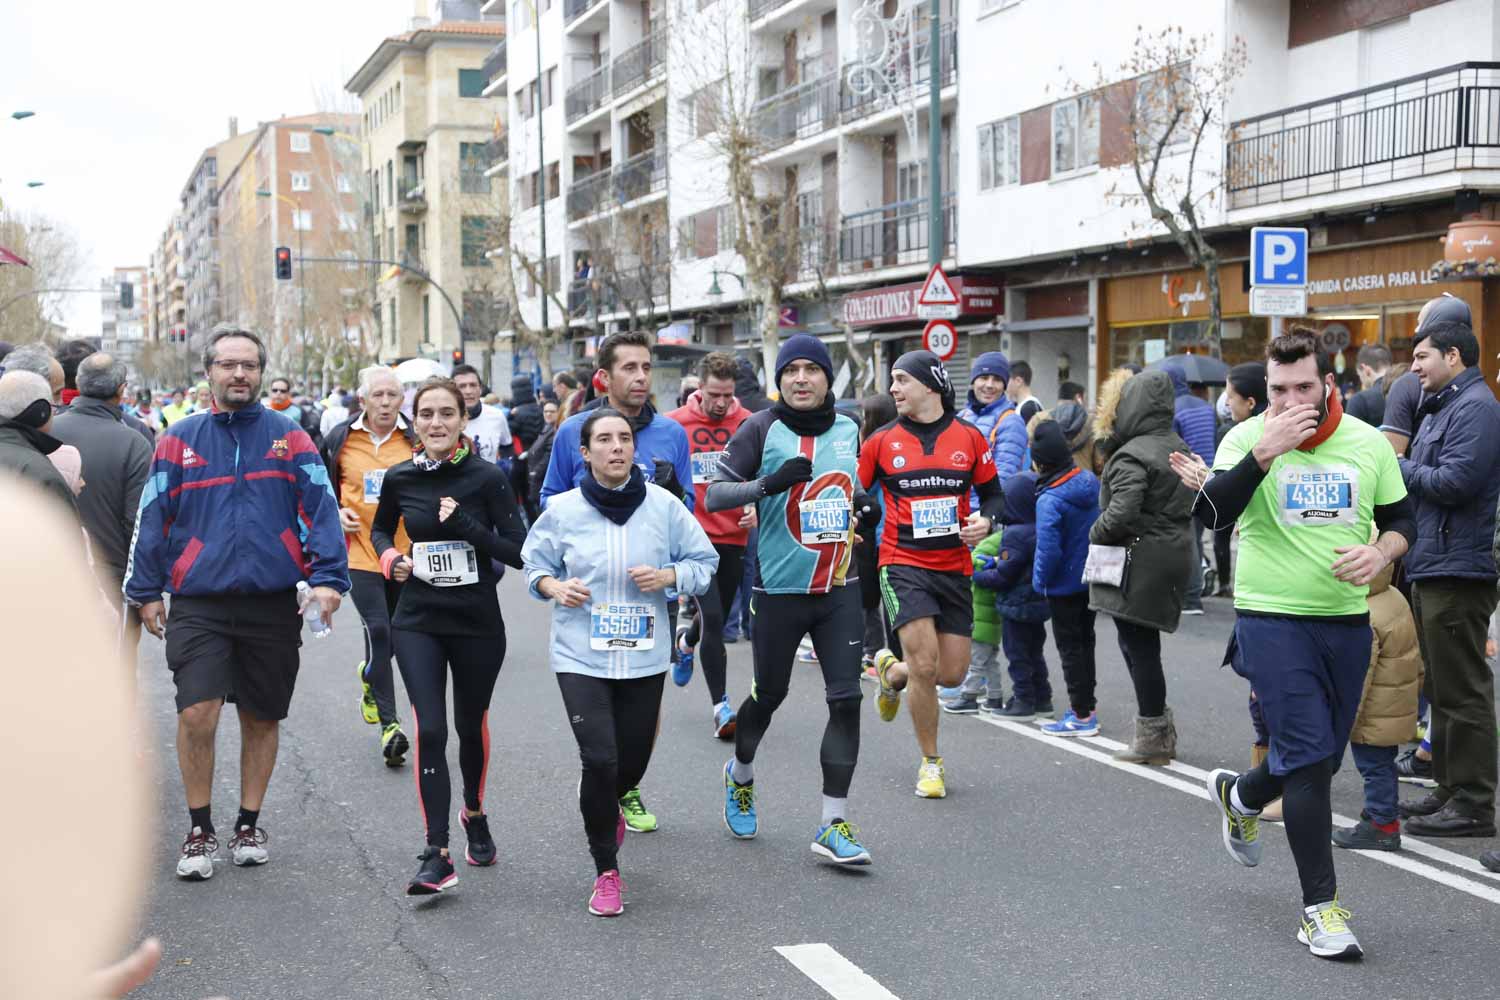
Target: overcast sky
{"points": [[127, 95]]}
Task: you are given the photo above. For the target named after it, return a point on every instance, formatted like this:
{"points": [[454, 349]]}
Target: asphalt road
{"points": [[1046, 872]]}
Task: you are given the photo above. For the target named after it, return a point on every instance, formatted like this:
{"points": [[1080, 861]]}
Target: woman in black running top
{"points": [[460, 514]]}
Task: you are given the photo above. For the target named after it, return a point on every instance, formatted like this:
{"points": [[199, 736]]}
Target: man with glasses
{"points": [[237, 511], [281, 400]]}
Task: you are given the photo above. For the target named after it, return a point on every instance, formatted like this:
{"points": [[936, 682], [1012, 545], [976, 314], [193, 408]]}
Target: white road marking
{"points": [[838, 977], [1098, 748]]}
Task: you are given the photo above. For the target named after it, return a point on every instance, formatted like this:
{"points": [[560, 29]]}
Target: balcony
{"points": [[760, 8], [411, 196], [817, 251], [1445, 120], [574, 9], [854, 105], [799, 112], [640, 63], [493, 67], [893, 235], [588, 195], [641, 175], [497, 150], [587, 95], [412, 260]]}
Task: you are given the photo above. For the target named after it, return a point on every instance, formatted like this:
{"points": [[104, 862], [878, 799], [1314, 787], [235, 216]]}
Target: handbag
{"points": [[1107, 564]]}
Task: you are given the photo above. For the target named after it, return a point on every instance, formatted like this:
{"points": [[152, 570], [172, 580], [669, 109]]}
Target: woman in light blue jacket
{"points": [[608, 554]]}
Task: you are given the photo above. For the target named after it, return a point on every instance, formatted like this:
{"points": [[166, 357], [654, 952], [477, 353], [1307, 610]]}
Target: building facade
{"points": [[123, 329]]}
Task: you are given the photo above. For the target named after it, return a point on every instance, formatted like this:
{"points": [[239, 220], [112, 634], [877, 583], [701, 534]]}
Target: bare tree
{"points": [[30, 297]]}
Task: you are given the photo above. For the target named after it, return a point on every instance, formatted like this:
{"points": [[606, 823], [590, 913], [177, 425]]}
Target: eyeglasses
{"points": [[230, 367]]}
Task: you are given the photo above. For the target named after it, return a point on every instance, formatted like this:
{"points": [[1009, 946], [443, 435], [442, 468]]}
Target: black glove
{"points": [[793, 471], [866, 512], [664, 474]]}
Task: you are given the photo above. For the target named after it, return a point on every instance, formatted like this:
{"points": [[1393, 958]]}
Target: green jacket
{"points": [[986, 618]]}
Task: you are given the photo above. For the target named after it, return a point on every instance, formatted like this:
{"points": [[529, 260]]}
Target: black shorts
{"points": [[239, 647], [912, 592]]}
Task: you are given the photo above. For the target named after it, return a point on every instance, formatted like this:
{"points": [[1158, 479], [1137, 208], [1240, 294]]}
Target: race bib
{"points": [[1312, 495], [374, 479], [622, 626], [934, 517], [824, 521], [706, 466], [444, 564]]}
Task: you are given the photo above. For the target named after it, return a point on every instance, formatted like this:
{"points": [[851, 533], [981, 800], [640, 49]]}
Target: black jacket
{"points": [[747, 388], [24, 451], [116, 463], [1369, 404], [525, 417], [331, 446], [537, 457]]}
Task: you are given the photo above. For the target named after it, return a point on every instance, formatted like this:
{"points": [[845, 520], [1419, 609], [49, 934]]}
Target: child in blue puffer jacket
{"points": [[1023, 637]]}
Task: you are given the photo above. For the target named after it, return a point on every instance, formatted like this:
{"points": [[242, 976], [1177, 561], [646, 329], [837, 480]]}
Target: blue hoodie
{"points": [[1009, 575], [1193, 418], [1066, 508]]}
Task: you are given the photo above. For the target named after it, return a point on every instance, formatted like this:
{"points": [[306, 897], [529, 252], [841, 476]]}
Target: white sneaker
{"points": [[1325, 931], [199, 851], [247, 846]]}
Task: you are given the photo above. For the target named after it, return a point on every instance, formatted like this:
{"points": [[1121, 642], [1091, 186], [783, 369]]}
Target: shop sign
{"points": [[978, 296]]}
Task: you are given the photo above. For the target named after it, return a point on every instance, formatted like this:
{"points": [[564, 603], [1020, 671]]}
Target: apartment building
{"points": [[425, 126], [1375, 126], [167, 281], [199, 236], [123, 330]]}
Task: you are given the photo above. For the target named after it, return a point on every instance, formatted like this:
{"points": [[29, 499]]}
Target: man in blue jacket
{"points": [[236, 511], [1453, 475], [991, 411], [1195, 423]]}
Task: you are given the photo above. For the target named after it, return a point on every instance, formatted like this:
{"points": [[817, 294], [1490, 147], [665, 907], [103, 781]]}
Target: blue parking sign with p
{"points": [[1278, 257]]}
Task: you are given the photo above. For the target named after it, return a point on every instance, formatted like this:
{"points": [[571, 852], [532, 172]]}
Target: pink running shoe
{"points": [[607, 900]]}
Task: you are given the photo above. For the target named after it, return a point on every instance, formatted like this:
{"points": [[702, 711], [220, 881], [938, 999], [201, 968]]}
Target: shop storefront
{"points": [[1356, 296], [886, 318]]}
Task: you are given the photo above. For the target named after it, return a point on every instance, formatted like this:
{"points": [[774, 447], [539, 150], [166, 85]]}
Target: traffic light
{"points": [[283, 263], [127, 295], [458, 356]]}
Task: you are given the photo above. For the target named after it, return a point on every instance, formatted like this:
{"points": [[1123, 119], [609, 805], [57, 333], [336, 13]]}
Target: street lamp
{"points": [[716, 293], [18, 115], [301, 267]]}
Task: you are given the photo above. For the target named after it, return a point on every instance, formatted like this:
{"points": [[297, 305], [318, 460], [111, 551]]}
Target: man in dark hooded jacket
{"points": [[747, 388], [525, 417]]}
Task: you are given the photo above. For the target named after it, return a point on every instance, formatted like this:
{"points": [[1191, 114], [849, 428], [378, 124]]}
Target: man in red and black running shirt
{"points": [[926, 462]]}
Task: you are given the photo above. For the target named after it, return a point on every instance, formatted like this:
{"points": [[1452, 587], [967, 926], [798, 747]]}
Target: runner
{"points": [[608, 553], [661, 453], [357, 453], [710, 417], [797, 463], [926, 463], [1304, 485], [459, 513], [487, 426]]}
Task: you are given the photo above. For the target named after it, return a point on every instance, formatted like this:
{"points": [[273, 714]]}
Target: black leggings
{"points": [[375, 598], [836, 623], [707, 631], [614, 722], [1141, 647], [1307, 812], [1073, 634], [424, 660]]}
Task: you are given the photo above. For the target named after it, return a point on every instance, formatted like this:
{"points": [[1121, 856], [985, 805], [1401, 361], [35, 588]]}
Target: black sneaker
{"points": [[1017, 710], [481, 849], [1044, 710], [1491, 860], [435, 875], [1425, 806], [1365, 836], [1414, 770]]}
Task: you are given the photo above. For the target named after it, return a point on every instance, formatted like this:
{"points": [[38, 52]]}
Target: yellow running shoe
{"points": [[930, 779], [367, 706], [888, 700]]}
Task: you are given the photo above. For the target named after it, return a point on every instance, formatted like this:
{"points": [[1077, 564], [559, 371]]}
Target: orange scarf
{"points": [[1328, 426]]}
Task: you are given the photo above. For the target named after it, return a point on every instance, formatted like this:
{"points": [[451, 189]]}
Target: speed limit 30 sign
{"points": [[941, 338]]}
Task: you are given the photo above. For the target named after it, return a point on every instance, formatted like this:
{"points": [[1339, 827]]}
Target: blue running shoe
{"points": [[1071, 725], [682, 666], [949, 693], [724, 719], [836, 842], [739, 806]]}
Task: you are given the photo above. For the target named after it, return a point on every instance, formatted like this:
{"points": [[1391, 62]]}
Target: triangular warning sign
{"points": [[937, 291]]}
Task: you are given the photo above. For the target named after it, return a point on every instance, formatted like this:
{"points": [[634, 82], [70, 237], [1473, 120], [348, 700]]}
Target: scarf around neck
{"points": [[420, 460], [1328, 426], [616, 504], [807, 423]]}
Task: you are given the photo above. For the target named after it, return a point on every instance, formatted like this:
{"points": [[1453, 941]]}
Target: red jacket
{"points": [[707, 439]]}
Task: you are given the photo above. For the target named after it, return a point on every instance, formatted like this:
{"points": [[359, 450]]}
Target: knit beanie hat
{"points": [[925, 367], [1049, 447], [990, 363], [803, 347]]}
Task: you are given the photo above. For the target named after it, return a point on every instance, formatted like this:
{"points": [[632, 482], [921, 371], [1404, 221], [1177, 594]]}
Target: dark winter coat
{"points": [[525, 417], [1009, 576], [747, 387], [23, 453], [1145, 507], [116, 462], [1066, 508], [1192, 418], [538, 456]]}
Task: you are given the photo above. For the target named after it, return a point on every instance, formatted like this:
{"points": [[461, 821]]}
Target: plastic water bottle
{"points": [[312, 611]]}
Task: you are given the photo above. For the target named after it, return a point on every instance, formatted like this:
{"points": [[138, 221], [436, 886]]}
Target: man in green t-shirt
{"points": [[1305, 486]]}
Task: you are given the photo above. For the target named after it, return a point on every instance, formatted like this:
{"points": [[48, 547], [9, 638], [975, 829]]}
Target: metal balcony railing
{"points": [[497, 150], [641, 62], [802, 111], [588, 195], [909, 80], [893, 234], [642, 174], [760, 8], [574, 9], [411, 196], [588, 94], [817, 250], [1447, 119], [493, 66], [411, 259]]}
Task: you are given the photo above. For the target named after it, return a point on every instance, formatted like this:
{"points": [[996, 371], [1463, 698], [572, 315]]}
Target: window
{"points": [[553, 181], [724, 225], [698, 235], [301, 142], [474, 234], [302, 220], [911, 180], [1075, 134], [1163, 102], [685, 239], [470, 83], [342, 183], [810, 209], [706, 110], [520, 15], [1000, 153], [526, 101], [350, 257], [471, 165], [347, 222], [301, 180], [549, 87]]}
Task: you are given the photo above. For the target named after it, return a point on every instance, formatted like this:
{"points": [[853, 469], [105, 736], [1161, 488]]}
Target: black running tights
{"points": [[424, 660], [614, 722], [1308, 811], [707, 631], [375, 598]]}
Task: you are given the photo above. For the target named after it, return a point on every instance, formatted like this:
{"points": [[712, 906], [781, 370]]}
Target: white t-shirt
{"points": [[490, 433], [332, 417]]}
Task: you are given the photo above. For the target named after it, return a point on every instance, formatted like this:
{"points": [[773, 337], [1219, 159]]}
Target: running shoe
{"points": [[949, 693], [724, 717], [1490, 860], [1196, 610], [1366, 836], [682, 662], [867, 667], [1325, 931], [739, 805], [636, 816], [480, 851], [367, 706], [992, 706], [435, 875], [1414, 770], [608, 897], [1071, 725], [964, 704], [837, 842], [1018, 710], [1044, 710], [247, 847], [1241, 830], [930, 783], [199, 851], [393, 745], [888, 700], [806, 653]]}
